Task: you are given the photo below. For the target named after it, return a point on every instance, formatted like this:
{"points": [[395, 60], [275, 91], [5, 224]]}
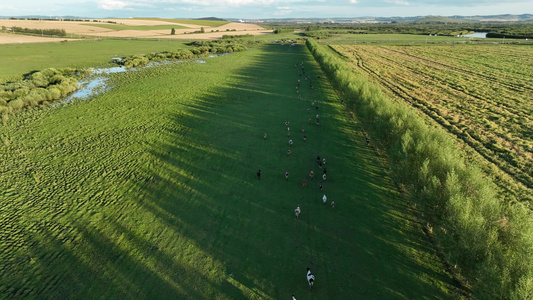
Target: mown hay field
{"points": [[149, 191], [481, 94], [131, 28]]}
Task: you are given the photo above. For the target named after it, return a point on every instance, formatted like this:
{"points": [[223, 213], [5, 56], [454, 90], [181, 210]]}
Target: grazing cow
{"points": [[324, 199], [288, 133], [318, 159], [303, 129], [310, 121], [367, 141], [288, 151], [320, 186], [293, 297], [259, 174], [305, 138], [304, 182], [265, 136], [332, 204], [324, 177], [311, 174], [287, 175], [310, 278], [323, 161], [308, 110], [297, 211], [290, 142]]}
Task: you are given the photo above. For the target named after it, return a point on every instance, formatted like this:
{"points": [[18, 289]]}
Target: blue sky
{"points": [[257, 9]]}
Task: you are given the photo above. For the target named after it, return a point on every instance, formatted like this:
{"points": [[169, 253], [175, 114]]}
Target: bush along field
{"points": [[484, 240], [199, 49], [150, 191], [38, 89]]}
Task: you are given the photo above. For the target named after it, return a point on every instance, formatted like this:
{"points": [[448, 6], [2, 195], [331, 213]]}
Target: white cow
{"points": [[310, 278]]}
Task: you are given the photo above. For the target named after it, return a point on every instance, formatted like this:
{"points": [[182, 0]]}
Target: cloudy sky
{"points": [[250, 9]]}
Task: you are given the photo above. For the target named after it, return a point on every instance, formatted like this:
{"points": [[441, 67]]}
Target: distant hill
{"points": [[441, 20], [211, 19]]}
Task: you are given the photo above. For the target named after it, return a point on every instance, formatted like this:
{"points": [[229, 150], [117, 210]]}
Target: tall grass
{"points": [[486, 240]]}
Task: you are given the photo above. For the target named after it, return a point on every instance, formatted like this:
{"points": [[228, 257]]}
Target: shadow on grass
{"points": [[367, 246], [196, 222]]}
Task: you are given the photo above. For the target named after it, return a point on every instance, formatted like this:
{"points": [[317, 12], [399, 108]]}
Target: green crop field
{"points": [[129, 27], [479, 93], [149, 191], [210, 23], [19, 59]]}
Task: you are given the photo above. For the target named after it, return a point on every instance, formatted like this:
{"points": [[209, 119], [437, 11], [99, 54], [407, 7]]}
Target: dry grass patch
{"points": [[7, 38]]}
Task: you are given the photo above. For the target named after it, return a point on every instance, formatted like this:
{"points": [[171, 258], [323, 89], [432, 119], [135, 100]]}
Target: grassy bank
{"points": [[19, 59], [149, 191]]}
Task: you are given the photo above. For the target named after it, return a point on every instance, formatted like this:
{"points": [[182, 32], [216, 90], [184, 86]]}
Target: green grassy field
{"points": [[19, 59], [149, 192], [128, 27], [190, 21]]}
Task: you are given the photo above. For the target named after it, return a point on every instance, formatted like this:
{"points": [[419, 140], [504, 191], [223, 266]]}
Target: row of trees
{"points": [[38, 88], [489, 241], [517, 30], [48, 32]]}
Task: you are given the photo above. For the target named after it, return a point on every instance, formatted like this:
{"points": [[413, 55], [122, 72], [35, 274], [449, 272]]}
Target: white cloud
{"points": [[397, 2], [111, 4], [354, 1], [232, 3]]}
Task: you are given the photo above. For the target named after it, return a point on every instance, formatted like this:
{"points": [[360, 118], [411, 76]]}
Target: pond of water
{"points": [[477, 35]]}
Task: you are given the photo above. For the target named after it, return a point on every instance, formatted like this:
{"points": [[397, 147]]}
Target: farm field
{"points": [[149, 191], [481, 94], [410, 39], [133, 28]]}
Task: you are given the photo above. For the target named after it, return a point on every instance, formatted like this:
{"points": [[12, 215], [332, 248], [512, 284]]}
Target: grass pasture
{"points": [[19, 59], [149, 192], [140, 27], [481, 94]]}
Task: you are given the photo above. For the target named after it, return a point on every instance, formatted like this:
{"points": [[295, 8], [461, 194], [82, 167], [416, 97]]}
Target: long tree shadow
{"points": [[213, 198], [192, 220]]}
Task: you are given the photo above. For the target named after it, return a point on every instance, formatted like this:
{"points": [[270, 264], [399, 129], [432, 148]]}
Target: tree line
{"points": [[510, 30], [488, 241], [49, 32]]}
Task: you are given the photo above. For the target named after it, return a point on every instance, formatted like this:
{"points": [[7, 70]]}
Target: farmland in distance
{"points": [[481, 94]]}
